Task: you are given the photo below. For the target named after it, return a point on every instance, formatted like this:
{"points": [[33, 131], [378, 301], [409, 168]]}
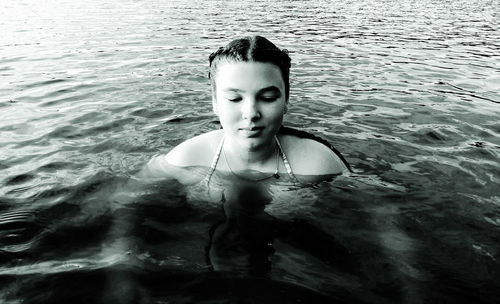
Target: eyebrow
{"points": [[263, 90]]}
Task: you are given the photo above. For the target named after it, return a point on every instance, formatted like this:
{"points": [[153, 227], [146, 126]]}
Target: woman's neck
{"points": [[240, 158]]}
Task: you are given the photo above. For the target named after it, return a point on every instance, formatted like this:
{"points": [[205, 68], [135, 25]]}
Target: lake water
{"points": [[408, 91]]}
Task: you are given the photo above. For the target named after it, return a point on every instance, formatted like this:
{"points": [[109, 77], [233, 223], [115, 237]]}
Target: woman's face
{"points": [[250, 102]]}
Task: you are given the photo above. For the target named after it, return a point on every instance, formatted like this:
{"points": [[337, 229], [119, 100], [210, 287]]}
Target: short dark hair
{"points": [[254, 48]]}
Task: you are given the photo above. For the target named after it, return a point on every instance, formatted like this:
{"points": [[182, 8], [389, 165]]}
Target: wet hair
{"points": [[247, 49]]}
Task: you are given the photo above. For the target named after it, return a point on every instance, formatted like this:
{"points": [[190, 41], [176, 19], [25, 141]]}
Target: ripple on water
{"points": [[67, 132], [19, 230], [70, 265], [18, 179], [360, 108]]}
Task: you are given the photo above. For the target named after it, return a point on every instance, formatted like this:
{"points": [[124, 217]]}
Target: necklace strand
{"points": [[275, 174]]}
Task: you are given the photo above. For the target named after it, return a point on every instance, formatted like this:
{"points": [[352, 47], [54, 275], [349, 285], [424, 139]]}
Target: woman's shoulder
{"points": [[310, 155], [196, 151]]}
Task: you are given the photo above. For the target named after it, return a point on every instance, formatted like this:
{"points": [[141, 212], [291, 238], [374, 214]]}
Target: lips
{"points": [[251, 131]]}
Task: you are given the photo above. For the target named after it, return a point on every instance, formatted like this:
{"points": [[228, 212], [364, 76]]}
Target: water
{"points": [[408, 91]]}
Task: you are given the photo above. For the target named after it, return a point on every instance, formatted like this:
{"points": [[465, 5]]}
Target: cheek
{"points": [[277, 111], [227, 113]]}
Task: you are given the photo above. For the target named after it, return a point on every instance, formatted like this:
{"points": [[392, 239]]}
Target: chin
{"points": [[253, 143]]}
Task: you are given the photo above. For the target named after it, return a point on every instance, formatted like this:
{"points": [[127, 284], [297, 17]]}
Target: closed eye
{"points": [[269, 98], [233, 97], [269, 94]]}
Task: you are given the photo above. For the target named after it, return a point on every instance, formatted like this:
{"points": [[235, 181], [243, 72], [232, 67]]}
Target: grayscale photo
{"points": [[249, 152]]}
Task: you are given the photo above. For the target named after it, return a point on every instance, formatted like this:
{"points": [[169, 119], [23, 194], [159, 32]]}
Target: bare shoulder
{"points": [[183, 162], [196, 151], [310, 157]]}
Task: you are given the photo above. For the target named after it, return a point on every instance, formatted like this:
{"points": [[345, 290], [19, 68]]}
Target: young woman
{"points": [[251, 165], [250, 92]]}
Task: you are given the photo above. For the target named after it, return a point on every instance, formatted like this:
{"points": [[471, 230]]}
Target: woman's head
{"points": [[255, 48]]}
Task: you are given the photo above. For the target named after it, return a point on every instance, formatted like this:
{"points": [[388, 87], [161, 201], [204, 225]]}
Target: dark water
{"points": [[408, 91]]}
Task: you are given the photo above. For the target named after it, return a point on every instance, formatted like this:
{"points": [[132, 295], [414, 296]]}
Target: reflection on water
{"points": [[149, 241], [406, 90], [243, 240]]}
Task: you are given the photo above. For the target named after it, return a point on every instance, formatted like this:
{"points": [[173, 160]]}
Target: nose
{"points": [[250, 109]]}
